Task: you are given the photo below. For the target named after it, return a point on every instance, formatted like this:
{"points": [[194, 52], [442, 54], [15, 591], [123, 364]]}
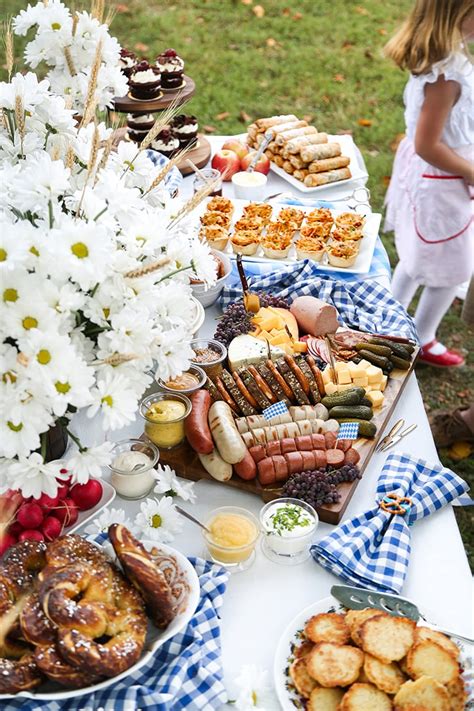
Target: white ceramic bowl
{"points": [[155, 637], [249, 186], [208, 296]]}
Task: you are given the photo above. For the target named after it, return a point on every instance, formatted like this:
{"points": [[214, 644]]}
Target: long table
{"points": [[260, 602]]}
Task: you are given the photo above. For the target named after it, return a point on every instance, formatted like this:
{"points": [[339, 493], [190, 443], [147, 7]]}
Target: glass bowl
{"points": [[168, 432], [213, 368], [193, 370], [129, 483], [287, 546], [232, 554]]}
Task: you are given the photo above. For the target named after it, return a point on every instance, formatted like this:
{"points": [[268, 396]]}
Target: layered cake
{"points": [[127, 61], [166, 143], [144, 81], [185, 128], [171, 67], [139, 125]]}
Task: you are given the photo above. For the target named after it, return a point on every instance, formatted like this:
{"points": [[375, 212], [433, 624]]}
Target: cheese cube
{"points": [[374, 374], [376, 398], [326, 375], [383, 382], [361, 380], [345, 386], [343, 376], [364, 364], [330, 388], [354, 369]]}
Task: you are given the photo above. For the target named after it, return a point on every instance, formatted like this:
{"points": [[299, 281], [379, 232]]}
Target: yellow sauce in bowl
{"points": [[232, 537], [164, 422]]}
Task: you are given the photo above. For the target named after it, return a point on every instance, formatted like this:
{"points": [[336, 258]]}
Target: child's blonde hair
{"points": [[430, 33]]}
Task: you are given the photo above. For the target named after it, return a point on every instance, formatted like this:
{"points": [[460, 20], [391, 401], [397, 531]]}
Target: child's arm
{"points": [[440, 97]]}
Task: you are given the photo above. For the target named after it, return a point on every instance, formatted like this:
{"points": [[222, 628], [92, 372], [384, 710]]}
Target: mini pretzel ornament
{"points": [[394, 504]]}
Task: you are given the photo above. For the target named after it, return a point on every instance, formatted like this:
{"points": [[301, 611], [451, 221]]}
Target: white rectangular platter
{"points": [[348, 149], [360, 266]]}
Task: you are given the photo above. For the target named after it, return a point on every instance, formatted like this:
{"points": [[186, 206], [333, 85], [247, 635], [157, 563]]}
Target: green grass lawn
{"points": [[317, 58]]}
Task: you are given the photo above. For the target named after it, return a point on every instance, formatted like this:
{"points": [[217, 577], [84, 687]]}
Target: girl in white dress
{"points": [[429, 200]]}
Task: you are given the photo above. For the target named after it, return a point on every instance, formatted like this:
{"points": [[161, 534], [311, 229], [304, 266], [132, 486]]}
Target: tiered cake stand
{"points": [[126, 104]]}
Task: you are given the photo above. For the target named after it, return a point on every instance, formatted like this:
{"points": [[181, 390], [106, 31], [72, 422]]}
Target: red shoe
{"points": [[448, 359]]}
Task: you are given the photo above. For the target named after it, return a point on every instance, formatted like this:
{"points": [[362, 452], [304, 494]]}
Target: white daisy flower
{"points": [[42, 181], [27, 314], [82, 250], [101, 523], [169, 484], [158, 520], [13, 252], [256, 692], [172, 353], [33, 477], [89, 462], [114, 398], [22, 420]]}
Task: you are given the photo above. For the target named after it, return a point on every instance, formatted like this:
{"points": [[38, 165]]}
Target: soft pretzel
{"points": [[20, 566], [35, 625], [19, 675], [74, 549], [141, 570], [50, 662]]}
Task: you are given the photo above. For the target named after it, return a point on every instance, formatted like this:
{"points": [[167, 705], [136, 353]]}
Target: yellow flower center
{"points": [[15, 428], [80, 250], [108, 400], [43, 357], [3, 255], [9, 377], [156, 520], [129, 164], [254, 698], [29, 322], [62, 388], [106, 312], [34, 251], [55, 26], [10, 295]]}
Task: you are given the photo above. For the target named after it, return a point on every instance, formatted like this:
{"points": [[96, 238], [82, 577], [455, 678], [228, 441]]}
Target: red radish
{"points": [[87, 495], [47, 502], [6, 541], [15, 528], [67, 512], [30, 515], [30, 534], [51, 528], [63, 491]]}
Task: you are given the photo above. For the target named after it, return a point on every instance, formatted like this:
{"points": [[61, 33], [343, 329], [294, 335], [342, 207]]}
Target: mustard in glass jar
{"points": [[164, 415]]}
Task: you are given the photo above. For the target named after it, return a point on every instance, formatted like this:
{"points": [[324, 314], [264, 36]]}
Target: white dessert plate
{"points": [[108, 495], [360, 266], [155, 637], [197, 315], [348, 149], [288, 697]]}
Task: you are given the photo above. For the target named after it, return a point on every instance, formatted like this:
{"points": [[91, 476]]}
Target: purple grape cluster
{"points": [[235, 320], [319, 487]]}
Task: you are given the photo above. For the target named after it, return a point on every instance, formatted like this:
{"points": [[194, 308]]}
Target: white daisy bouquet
{"points": [[94, 287], [73, 45]]}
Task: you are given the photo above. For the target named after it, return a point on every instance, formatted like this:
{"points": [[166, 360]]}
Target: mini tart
{"points": [[307, 248], [316, 230], [276, 248], [349, 220], [280, 230], [258, 211], [342, 255], [339, 234], [215, 236], [291, 216], [221, 219], [221, 204], [322, 214], [245, 224], [245, 242]]}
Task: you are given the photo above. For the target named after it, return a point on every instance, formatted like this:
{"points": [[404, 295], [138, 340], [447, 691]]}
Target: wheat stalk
{"points": [[70, 157], [109, 18], [91, 102], [69, 61], [97, 9], [177, 158], [9, 53], [116, 359], [90, 164], [3, 119], [148, 268], [161, 122], [75, 20], [197, 198], [20, 119], [109, 144]]}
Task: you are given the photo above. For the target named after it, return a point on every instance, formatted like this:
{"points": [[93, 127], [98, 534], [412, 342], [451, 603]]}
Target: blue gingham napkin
{"points": [[174, 178], [185, 673], [373, 550], [366, 305]]}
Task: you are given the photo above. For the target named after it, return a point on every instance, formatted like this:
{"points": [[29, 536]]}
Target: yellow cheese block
{"points": [[374, 374], [383, 383], [343, 376], [280, 338], [361, 380], [330, 388], [375, 397]]}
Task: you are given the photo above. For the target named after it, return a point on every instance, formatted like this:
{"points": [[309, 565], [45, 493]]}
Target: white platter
{"points": [[108, 495], [288, 697], [155, 637], [348, 149], [360, 266]]}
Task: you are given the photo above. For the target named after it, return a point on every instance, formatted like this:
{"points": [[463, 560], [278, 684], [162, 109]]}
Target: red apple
{"points": [[239, 148], [87, 495], [7, 540], [67, 512], [48, 502], [51, 528], [263, 164], [31, 534], [30, 515], [227, 163]]}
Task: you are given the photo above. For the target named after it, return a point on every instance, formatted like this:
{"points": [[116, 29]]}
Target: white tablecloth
{"points": [[261, 601]]}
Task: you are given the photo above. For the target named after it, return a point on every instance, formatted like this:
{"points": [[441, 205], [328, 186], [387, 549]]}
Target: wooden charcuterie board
{"points": [[187, 465]]}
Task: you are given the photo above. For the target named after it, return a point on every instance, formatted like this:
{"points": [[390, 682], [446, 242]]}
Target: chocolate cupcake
{"points": [[144, 81], [185, 128], [127, 61], [166, 143], [140, 122], [171, 67]]}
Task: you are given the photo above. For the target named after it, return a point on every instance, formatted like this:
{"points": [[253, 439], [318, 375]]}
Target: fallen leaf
{"points": [[368, 54], [364, 122], [188, 40], [222, 116], [234, 47], [361, 10], [308, 118], [373, 102], [396, 141], [386, 180], [382, 31], [271, 42], [460, 450], [463, 393], [121, 9], [339, 77], [347, 45], [345, 132], [245, 117], [258, 11], [325, 99], [374, 153], [246, 2], [199, 20], [297, 16], [140, 47], [264, 83], [209, 129], [286, 11]]}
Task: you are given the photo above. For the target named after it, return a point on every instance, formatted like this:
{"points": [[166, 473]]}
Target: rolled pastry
{"points": [[312, 180], [270, 155], [322, 166], [324, 150], [278, 160], [297, 163], [264, 123], [300, 174], [288, 167], [295, 145], [295, 133], [287, 127]]}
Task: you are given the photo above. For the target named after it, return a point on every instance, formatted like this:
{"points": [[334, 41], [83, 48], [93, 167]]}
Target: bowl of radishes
{"points": [[49, 517]]}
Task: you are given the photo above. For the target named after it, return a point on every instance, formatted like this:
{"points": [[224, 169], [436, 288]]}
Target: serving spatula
{"points": [[358, 599]]}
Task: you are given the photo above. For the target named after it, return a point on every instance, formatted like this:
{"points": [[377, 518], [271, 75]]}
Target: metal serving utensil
{"points": [[395, 440], [358, 599], [266, 140], [385, 440], [191, 518]]}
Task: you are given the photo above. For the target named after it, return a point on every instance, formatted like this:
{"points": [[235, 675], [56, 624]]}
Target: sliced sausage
{"points": [[196, 425], [317, 374], [309, 461], [319, 441], [344, 444], [257, 452], [273, 448], [288, 444], [266, 471], [295, 462], [330, 439], [248, 439], [272, 433], [281, 468], [259, 435], [262, 384], [226, 396], [318, 426], [243, 389], [320, 458], [304, 443], [331, 426], [280, 380], [301, 377], [352, 456], [246, 469], [335, 457], [305, 426]]}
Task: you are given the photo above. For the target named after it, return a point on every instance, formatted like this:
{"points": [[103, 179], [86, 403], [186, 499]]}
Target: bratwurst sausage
{"points": [[229, 442], [196, 427]]}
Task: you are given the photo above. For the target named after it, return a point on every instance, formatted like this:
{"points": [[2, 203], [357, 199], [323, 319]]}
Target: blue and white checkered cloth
{"points": [[185, 674], [372, 550], [365, 305]]}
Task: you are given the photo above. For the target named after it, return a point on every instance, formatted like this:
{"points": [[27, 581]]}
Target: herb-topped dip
{"points": [[288, 525]]}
